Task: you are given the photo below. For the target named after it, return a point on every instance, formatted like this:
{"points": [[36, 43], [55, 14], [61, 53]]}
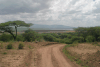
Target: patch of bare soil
{"points": [[26, 57], [88, 53], [13, 60], [84, 48], [51, 56]]}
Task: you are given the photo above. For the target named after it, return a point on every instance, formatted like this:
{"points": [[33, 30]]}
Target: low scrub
{"points": [[72, 57], [90, 39], [5, 37], [21, 46], [9, 46], [31, 35], [49, 37], [20, 38], [4, 53], [81, 57]]}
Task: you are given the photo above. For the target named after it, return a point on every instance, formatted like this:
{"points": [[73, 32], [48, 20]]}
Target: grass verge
{"points": [[72, 57]]}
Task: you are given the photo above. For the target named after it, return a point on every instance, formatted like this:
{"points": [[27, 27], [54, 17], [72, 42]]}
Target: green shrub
{"points": [[74, 38], [55, 35], [62, 41], [20, 38], [21, 46], [9, 46], [4, 53], [57, 40], [69, 36], [39, 37], [90, 38], [30, 36], [81, 39], [6, 37], [99, 38], [69, 41], [78, 39], [64, 35], [49, 37]]}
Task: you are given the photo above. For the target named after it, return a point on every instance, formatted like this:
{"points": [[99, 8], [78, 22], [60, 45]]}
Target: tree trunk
{"points": [[13, 35], [16, 30]]}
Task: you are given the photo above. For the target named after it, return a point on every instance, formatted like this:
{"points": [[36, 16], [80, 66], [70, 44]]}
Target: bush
{"points": [[29, 30], [20, 46], [64, 35], [99, 38], [30, 36], [57, 40], [49, 37], [9, 46], [69, 36], [69, 41], [6, 37], [39, 37], [63, 40], [81, 39], [78, 39], [90, 38], [4, 53], [55, 35], [20, 38]]}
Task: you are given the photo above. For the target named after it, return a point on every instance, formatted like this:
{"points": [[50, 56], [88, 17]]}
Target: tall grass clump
{"points": [[21, 46], [9, 46]]}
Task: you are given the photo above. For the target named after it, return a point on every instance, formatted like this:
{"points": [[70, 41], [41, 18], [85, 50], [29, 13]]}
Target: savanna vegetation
{"points": [[81, 35]]}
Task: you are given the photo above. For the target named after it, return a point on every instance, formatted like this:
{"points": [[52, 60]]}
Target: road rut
{"points": [[51, 56]]}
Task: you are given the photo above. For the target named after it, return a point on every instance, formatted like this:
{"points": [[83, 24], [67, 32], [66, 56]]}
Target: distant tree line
{"points": [[81, 34]]}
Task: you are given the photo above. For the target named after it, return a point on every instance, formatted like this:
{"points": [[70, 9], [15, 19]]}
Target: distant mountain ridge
{"points": [[51, 27]]}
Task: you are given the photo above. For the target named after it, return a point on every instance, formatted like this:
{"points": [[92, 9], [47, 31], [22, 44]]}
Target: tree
{"points": [[7, 26], [30, 35]]}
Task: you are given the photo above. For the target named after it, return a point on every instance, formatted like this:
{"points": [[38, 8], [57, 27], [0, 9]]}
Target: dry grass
{"points": [[13, 57], [19, 57], [88, 54]]}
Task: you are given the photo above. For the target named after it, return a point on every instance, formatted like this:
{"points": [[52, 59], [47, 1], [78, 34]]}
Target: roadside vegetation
{"points": [[84, 54], [81, 35]]}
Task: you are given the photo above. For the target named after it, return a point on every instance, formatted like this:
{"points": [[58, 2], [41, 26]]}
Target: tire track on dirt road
{"points": [[51, 56]]}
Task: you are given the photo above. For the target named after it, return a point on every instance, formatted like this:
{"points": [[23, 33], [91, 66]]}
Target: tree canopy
{"points": [[6, 27]]}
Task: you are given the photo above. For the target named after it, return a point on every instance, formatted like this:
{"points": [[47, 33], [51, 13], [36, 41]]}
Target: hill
{"points": [[51, 27]]}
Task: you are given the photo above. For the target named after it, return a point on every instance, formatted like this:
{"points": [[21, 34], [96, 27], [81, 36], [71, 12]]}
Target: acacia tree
{"points": [[7, 26]]}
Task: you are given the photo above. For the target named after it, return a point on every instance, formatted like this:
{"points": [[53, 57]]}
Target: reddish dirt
{"points": [[89, 54], [44, 54], [84, 49], [51, 56]]}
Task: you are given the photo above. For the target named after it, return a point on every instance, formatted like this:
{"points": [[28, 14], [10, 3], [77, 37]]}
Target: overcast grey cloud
{"points": [[68, 12], [22, 6]]}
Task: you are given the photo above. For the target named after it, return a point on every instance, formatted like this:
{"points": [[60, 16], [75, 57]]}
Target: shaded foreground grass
{"points": [[72, 58], [85, 60]]}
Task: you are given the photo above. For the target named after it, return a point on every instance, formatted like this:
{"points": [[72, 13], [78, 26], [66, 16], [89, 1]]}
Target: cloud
{"points": [[22, 6], [68, 12]]}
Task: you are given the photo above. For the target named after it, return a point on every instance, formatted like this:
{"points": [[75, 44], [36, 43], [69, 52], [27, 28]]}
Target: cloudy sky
{"points": [[74, 13]]}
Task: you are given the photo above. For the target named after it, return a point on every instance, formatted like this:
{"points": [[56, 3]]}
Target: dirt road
{"points": [[51, 56]]}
